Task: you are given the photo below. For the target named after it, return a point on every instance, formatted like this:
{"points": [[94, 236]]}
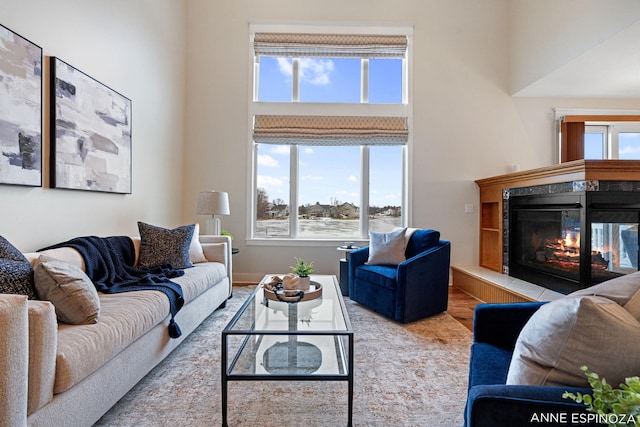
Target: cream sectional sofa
{"points": [[55, 374]]}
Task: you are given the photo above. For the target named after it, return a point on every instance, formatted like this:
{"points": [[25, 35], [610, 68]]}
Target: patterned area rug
{"points": [[405, 375]]}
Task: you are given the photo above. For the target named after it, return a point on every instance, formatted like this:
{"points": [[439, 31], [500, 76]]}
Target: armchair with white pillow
{"points": [[403, 275]]}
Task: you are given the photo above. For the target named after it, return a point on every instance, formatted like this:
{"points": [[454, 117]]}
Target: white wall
{"points": [[466, 125], [137, 48]]}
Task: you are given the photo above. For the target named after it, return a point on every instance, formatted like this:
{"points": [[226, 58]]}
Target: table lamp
{"points": [[213, 203]]}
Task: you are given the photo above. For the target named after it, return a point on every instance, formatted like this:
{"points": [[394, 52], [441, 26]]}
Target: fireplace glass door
{"points": [[547, 241], [614, 244]]}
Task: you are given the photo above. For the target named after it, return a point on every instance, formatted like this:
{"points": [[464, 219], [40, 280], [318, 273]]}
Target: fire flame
{"points": [[570, 241]]}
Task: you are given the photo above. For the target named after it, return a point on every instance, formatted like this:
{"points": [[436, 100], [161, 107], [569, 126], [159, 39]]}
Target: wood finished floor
{"points": [[461, 306]]}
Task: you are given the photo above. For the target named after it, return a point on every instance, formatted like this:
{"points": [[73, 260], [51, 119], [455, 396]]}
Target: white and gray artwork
{"points": [[91, 133], [20, 110]]}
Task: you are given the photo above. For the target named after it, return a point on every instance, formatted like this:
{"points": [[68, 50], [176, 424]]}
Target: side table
{"points": [[344, 268]]}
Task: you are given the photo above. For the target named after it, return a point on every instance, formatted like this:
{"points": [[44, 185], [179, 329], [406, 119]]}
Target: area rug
{"points": [[405, 375]]}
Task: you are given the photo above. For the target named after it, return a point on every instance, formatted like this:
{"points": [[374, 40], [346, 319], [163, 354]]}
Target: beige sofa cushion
{"points": [[573, 331], [124, 317]]}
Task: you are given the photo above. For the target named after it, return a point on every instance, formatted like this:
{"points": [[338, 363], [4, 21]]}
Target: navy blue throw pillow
{"points": [[16, 273]]}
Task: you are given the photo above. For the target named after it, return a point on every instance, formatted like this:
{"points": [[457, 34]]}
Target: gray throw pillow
{"points": [[576, 331], [16, 274], [387, 248], [69, 289], [161, 246]]}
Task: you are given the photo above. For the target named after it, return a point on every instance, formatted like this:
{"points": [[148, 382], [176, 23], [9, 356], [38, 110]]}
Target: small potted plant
{"points": [[615, 407], [303, 270]]}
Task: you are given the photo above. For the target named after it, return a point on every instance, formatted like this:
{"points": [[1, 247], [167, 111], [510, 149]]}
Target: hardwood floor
{"points": [[461, 306]]}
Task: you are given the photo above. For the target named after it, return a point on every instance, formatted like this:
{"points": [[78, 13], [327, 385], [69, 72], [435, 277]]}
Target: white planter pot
{"points": [[305, 283]]}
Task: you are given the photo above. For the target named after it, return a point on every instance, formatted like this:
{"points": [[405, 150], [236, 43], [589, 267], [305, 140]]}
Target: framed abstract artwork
{"points": [[90, 133], [20, 110]]}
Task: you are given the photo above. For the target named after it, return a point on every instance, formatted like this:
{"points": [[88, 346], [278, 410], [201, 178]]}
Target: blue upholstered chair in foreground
{"points": [[415, 288], [492, 403]]}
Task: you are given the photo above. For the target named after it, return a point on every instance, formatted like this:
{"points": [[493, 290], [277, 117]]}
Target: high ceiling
{"points": [[608, 70]]}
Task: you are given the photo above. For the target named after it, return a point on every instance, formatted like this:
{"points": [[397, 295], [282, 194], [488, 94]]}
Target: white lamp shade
{"points": [[213, 203]]}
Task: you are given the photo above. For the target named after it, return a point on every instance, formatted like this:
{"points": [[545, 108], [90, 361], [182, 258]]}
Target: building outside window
{"points": [[330, 131]]}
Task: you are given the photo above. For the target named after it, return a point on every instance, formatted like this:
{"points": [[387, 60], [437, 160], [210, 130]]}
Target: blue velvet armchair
{"points": [[492, 403], [412, 290]]}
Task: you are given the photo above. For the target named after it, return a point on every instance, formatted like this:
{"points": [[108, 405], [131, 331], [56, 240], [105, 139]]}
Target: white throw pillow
{"points": [[69, 289], [196, 254], [573, 331], [387, 248]]}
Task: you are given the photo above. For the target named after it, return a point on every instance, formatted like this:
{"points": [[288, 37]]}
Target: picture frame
{"points": [[90, 133], [20, 110]]}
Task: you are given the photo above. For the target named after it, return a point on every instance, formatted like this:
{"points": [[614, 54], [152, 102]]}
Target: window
{"points": [[330, 129], [612, 141]]}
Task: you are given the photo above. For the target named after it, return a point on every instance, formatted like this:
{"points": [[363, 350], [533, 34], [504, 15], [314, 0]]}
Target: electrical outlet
{"points": [[468, 208]]}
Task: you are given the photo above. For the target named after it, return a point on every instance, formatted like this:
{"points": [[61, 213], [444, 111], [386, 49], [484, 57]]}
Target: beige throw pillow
{"points": [[69, 289], [573, 331]]}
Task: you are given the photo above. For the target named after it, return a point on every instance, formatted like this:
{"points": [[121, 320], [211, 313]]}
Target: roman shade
{"points": [[330, 130], [329, 45]]}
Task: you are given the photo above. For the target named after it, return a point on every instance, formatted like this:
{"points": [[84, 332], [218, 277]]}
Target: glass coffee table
{"points": [[272, 340]]}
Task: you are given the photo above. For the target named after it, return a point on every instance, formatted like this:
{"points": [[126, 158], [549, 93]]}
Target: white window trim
{"points": [[286, 108]]}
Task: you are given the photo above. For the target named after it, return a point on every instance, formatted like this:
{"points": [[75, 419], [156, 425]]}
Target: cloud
{"points": [[312, 178], [267, 161], [629, 150], [280, 149], [316, 71], [269, 182], [285, 66], [308, 150], [313, 71], [352, 178]]}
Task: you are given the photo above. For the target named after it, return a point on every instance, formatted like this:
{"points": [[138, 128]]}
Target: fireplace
{"points": [[571, 240]]}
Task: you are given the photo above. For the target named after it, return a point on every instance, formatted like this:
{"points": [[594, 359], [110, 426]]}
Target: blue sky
{"points": [[329, 174], [628, 145]]}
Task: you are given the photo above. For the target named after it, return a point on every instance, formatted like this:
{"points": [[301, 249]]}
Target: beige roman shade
{"points": [[329, 45], [330, 130]]}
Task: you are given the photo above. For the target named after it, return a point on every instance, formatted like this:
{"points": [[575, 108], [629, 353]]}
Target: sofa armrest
{"points": [[14, 359], [518, 405], [218, 249], [43, 344], [500, 324]]}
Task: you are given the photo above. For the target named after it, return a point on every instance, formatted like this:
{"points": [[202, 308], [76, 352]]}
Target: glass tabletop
{"points": [[325, 314]]}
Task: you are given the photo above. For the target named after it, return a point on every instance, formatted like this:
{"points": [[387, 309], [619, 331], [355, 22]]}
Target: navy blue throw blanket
{"points": [[109, 264]]}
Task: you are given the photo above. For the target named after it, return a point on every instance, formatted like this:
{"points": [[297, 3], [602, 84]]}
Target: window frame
{"points": [[328, 109]]}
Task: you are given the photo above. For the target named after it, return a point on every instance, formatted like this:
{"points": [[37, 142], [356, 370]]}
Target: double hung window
{"points": [[330, 130]]}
